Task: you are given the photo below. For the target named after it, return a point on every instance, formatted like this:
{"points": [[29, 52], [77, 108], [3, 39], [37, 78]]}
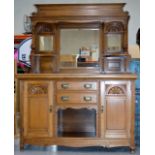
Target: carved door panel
{"points": [[37, 109], [115, 121]]}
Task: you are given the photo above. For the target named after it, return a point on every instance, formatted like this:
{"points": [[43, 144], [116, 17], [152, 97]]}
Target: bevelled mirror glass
{"points": [[79, 47], [45, 43], [114, 42]]}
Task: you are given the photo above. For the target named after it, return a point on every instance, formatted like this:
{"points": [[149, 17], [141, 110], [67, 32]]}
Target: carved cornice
{"points": [[74, 10]]}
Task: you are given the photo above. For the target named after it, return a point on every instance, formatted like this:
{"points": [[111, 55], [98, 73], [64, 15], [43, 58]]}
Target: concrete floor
{"points": [[35, 150]]}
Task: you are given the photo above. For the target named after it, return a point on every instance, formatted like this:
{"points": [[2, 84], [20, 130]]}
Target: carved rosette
{"points": [[114, 27], [37, 89], [116, 90]]}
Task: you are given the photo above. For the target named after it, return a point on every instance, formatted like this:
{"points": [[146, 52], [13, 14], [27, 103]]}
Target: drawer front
{"points": [[67, 85], [63, 98]]}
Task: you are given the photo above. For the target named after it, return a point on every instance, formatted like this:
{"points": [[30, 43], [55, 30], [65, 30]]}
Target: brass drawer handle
{"points": [[87, 86], [65, 98], [87, 98], [65, 85]]}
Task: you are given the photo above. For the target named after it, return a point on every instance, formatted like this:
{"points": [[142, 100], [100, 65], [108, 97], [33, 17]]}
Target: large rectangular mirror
{"points": [[79, 47]]}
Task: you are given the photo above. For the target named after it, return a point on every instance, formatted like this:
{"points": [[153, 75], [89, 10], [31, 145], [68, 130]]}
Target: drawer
{"points": [[76, 98], [77, 85]]}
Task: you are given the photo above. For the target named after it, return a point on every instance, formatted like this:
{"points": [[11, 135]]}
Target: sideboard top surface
{"points": [[130, 76]]}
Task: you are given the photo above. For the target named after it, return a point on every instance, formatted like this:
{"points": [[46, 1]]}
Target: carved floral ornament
{"points": [[115, 90], [37, 89], [114, 27], [43, 27]]}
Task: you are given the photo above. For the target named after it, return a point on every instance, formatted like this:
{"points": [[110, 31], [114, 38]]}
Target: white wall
{"points": [[25, 7]]}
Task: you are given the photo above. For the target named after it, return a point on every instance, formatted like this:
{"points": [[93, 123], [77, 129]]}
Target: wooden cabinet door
{"points": [[115, 119], [37, 108]]}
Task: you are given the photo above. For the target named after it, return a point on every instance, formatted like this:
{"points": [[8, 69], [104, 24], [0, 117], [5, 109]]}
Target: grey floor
{"points": [[35, 150]]}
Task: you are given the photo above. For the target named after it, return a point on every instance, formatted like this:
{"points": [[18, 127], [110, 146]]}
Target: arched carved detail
{"points": [[43, 27], [116, 90], [76, 108], [37, 89], [114, 27]]}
